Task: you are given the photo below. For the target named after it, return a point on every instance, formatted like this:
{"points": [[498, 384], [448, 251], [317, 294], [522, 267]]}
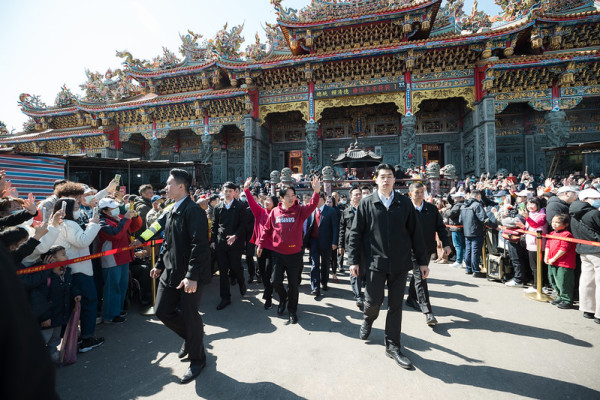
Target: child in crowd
{"points": [[61, 294], [560, 257]]}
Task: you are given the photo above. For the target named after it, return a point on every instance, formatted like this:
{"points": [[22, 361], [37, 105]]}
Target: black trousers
{"points": [[374, 293], [179, 312], [265, 269], [519, 259], [418, 290], [230, 264], [289, 264], [250, 248]]}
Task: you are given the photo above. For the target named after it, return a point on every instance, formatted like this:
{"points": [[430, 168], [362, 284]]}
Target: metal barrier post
{"points": [[538, 295], [150, 310], [483, 252]]}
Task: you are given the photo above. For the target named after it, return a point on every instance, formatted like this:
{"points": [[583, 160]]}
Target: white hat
{"points": [[108, 203], [87, 189], [524, 193], [564, 189], [459, 194], [589, 194]]}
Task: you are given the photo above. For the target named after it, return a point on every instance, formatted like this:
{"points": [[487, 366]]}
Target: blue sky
{"points": [[46, 44]]}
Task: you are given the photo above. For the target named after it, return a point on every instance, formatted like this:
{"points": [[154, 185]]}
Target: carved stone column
{"points": [[409, 141], [312, 147], [486, 135], [206, 153], [250, 150], [558, 128], [154, 149]]}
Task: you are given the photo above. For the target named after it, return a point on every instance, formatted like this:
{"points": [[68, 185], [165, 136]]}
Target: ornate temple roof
{"points": [[356, 157], [150, 99], [53, 134], [320, 12], [135, 85]]}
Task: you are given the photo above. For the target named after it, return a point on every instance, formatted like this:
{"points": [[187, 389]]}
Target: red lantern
{"points": [[309, 158], [410, 155]]}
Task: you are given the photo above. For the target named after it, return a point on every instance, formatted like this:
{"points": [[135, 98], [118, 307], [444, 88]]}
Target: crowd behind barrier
{"points": [[96, 247]]}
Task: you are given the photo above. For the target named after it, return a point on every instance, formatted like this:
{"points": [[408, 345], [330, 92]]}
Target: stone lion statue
{"points": [[502, 172], [274, 176], [449, 171], [327, 173], [433, 170], [286, 175]]}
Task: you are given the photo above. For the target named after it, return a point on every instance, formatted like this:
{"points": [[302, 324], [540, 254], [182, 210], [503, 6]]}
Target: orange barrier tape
{"points": [[545, 236], [39, 268]]}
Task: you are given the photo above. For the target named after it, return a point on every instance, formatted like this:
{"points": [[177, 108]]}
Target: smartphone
{"points": [[117, 178], [95, 213], [44, 216], [64, 207]]}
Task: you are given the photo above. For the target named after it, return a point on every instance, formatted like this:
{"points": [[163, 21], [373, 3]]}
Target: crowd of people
{"points": [[378, 233]]}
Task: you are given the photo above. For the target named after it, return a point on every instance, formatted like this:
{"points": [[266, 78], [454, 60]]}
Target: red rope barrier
{"points": [[39, 268]]}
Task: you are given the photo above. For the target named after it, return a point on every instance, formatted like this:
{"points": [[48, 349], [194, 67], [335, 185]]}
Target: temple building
{"points": [[414, 81]]}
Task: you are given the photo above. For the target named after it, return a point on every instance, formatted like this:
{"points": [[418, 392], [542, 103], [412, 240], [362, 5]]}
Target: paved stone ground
{"points": [[491, 342]]}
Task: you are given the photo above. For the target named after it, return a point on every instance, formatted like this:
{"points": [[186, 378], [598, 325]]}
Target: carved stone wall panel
{"points": [[301, 106], [396, 98], [468, 93]]}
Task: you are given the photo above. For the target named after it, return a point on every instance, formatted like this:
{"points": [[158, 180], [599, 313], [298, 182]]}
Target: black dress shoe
{"points": [[315, 293], [597, 320], [469, 272], [183, 351], [588, 315], [430, 319], [281, 308], [556, 301], [479, 275], [193, 371], [223, 304], [325, 288], [400, 358], [293, 318], [412, 303], [564, 305], [242, 288], [268, 304], [365, 330]]}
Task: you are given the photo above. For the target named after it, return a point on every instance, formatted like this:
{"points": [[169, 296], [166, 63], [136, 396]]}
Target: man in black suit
{"points": [[183, 265], [431, 223], [386, 231], [321, 237], [345, 224], [228, 235]]}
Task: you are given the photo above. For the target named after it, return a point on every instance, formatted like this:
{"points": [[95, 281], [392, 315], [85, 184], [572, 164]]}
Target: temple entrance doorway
{"points": [[293, 160], [433, 153]]}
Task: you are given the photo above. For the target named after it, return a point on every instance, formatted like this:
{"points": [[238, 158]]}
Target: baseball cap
{"points": [[564, 189], [155, 197], [589, 194], [459, 194], [524, 193], [108, 203]]}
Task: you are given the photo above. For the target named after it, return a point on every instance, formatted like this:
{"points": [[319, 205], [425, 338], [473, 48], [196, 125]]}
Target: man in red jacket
{"points": [[284, 230]]}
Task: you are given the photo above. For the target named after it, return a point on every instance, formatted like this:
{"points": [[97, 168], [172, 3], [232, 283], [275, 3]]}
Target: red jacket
{"points": [[554, 245], [284, 226], [115, 234]]}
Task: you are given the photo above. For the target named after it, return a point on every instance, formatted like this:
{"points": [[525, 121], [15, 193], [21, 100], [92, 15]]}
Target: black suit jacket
{"points": [[328, 228], [185, 252], [230, 222], [386, 237]]}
